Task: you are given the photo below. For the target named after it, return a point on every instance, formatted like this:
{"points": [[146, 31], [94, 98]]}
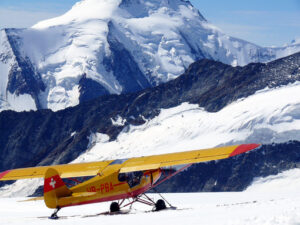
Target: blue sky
{"points": [[264, 22]]}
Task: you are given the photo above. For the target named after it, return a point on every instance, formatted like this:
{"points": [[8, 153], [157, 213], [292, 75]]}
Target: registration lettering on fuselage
{"points": [[103, 188]]}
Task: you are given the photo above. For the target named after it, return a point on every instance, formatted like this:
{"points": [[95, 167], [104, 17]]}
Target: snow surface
{"points": [[163, 37], [266, 202], [21, 103], [9, 100], [118, 121], [286, 181], [5, 63], [269, 116]]}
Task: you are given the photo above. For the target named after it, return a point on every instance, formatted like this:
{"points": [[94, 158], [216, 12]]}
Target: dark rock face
{"points": [[90, 89], [123, 65], [197, 52], [220, 84], [45, 137], [236, 173], [23, 79]]}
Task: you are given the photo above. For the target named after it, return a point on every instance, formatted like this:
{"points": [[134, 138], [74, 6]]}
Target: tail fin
{"points": [[54, 188]]}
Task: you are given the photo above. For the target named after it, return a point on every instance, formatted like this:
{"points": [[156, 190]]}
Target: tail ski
{"points": [[54, 188]]}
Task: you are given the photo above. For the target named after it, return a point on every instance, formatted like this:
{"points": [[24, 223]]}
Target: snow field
{"points": [[257, 205], [269, 116]]}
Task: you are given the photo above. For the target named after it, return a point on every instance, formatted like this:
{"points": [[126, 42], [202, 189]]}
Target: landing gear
{"points": [[144, 199], [160, 205], [54, 215], [114, 207]]}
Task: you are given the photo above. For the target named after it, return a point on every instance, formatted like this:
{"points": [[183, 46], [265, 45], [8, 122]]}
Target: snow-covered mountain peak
{"points": [[104, 47], [82, 11], [143, 8], [115, 9]]}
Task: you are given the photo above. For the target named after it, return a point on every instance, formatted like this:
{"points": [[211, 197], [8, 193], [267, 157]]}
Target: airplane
{"points": [[116, 180]]}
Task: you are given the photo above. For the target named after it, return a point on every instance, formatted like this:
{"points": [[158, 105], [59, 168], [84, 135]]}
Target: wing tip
{"points": [[2, 174], [244, 148]]}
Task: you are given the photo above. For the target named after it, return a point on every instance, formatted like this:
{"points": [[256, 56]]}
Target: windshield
{"points": [[132, 178]]}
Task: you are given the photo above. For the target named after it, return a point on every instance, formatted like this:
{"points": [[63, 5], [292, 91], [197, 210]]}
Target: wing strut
{"points": [[171, 175]]}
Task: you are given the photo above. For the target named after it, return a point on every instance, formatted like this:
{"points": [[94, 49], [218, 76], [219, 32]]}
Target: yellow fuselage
{"points": [[107, 186]]}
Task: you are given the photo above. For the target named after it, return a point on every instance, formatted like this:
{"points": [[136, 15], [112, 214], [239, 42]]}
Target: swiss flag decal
{"points": [[53, 183]]}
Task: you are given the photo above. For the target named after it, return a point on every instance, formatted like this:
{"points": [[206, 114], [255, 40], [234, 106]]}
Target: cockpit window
{"points": [[122, 177], [132, 178]]}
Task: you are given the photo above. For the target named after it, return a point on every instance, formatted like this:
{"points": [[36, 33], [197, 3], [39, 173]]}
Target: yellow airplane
{"points": [[116, 180]]}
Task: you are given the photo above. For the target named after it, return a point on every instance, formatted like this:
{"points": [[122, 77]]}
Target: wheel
{"points": [[114, 207], [160, 204]]}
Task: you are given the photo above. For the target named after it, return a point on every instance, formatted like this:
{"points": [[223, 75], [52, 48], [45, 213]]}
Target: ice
{"points": [[21, 188], [21, 103], [118, 121], [6, 59], [4, 64], [286, 181]]}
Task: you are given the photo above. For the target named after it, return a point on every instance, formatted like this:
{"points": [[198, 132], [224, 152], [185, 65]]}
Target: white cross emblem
{"points": [[52, 183]]}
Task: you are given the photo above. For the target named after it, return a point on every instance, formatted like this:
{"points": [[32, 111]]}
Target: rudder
{"points": [[54, 188]]}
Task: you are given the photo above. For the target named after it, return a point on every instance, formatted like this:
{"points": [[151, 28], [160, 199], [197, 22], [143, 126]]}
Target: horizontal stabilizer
{"points": [[33, 199]]}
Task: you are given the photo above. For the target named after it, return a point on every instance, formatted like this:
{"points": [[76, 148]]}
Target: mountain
{"points": [[233, 105], [112, 47]]}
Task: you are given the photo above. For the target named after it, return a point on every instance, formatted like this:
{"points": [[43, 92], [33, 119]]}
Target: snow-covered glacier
{"points": [[269, 116], [112, 47]]}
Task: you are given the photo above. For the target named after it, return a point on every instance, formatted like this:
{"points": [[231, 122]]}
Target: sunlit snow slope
{"points": [[112, 46], [269, 116]]}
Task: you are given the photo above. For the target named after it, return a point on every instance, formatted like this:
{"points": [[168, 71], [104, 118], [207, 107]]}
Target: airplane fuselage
{"points": [[110, 185]]}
